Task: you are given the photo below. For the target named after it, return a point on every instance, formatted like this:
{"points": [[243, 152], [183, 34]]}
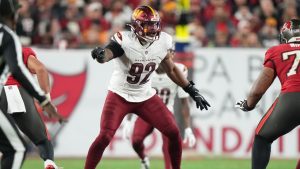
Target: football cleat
{"points": [[145, 163], [50, 167], [49, 164], [53, 167]]}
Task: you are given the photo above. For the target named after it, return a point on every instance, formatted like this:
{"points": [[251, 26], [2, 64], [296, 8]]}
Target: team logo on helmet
{"points": [[145, 23], [290, 31]]}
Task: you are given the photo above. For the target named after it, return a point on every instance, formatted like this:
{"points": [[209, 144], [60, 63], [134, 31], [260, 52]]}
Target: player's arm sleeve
{"points": [[180, 92], [13, 57], [115, 45], [268, 62]]}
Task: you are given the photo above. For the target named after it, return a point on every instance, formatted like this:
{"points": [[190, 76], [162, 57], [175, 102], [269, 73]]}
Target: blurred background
{"points": [[211, 23], [222, 42]]}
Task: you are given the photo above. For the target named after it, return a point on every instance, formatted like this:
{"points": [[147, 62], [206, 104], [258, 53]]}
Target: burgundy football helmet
{"points": [[145, 23], [290, 31]]}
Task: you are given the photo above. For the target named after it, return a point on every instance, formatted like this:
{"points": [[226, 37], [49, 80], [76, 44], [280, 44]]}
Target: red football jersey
{"points": [[285, 60], [26, 52]]}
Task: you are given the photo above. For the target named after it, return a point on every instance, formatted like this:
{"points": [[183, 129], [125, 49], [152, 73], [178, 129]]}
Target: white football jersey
{"points": [[131, 78], [166, 89]]}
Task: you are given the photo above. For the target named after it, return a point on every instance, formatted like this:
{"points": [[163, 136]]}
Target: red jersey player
{"points": [[283, 116], [27, 117]]}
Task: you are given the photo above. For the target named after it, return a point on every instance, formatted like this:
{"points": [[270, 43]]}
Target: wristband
{"points": [[48, 96], [45, 102]]}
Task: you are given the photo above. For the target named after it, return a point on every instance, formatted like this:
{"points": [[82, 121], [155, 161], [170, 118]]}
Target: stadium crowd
{"points": [[212, 23]]}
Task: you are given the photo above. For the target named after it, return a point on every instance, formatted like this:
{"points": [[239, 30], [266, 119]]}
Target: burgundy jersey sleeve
{"points": [[269, 62], [26, 51]]}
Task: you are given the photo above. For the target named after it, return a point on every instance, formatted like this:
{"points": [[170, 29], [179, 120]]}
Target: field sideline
{"points": [[202, 163]]}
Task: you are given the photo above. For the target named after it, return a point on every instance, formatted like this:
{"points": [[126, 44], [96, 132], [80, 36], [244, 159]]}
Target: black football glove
{"points": [[243, 105], [197, 97], [98, 54]]}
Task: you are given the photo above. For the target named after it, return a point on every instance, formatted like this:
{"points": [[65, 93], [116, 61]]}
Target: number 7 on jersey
{"points": [[287, 55]]}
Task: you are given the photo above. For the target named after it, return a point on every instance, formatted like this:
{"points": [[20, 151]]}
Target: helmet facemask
{"points": [[147, 30]]}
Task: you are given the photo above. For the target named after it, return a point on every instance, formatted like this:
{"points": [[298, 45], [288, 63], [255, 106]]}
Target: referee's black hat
{"points": [[8, 7]]}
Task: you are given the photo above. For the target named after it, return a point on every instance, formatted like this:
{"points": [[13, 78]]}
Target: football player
{"points": [[11, 142], [166, 89], [283, 116], [20, 105], [137, 54]]}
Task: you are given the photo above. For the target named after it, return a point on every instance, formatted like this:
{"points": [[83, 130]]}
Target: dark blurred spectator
{"points": [[237, 4], [219, 22], [133, 3], [196, 11], [252, 41], [239, 39], [118, 15], [169, 14], [69, 28], [198, 36], [45, 16], [93, 12], [95, 35], [221, 38], [289, 10], [77, 3], [269, 34], [266, 10], [85, 23], [243, 13], [25, 24], [209, 10]]}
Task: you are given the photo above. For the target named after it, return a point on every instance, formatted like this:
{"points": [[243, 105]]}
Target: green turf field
{"points": [[204, 163]]}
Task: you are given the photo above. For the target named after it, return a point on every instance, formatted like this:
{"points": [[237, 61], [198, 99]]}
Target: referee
{"points": [[11, 142]]}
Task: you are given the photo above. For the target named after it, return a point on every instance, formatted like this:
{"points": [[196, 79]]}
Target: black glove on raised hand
{"points": [[243, 105], [198, 98], [98, 54]]}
